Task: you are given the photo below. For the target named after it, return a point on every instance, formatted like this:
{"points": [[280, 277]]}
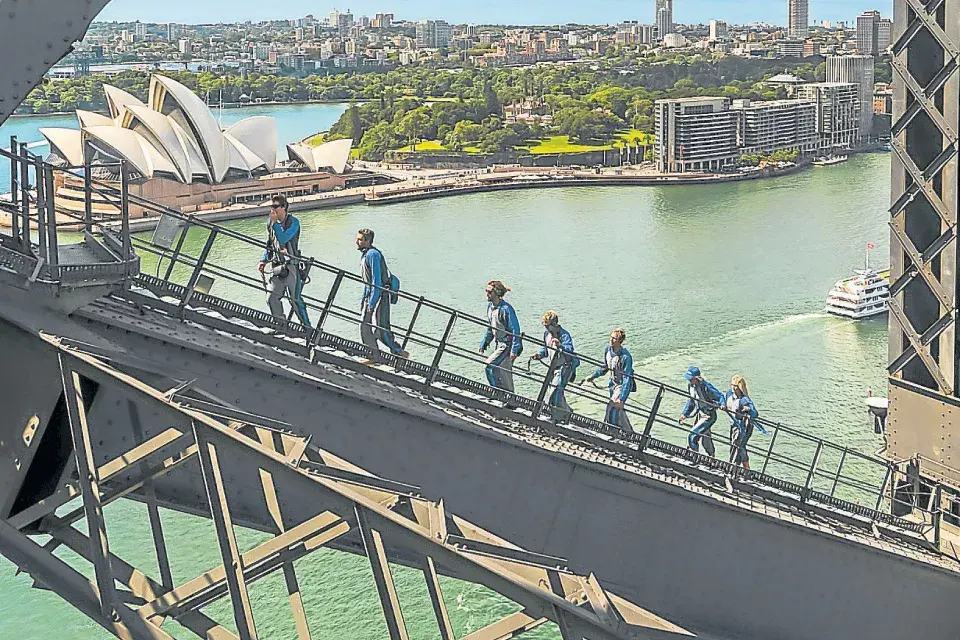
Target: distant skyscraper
{"points": [[140, 30], [173, 32], [799, 19], [718, 30], [856, 70], [433, 34], [868, 33], [884, 34], [663, 17]]}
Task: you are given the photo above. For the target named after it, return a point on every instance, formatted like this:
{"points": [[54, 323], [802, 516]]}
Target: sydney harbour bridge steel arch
{"points": [[923, 348], [683, 583]]}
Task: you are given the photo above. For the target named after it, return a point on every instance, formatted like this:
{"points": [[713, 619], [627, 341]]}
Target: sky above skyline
{"points": [[488, 11]]}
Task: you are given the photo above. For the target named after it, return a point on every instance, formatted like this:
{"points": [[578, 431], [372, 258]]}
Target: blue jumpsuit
{"points": [[504, 331], [703, 402], [564, 372], [283, 243], [375, 306], [620, 367]]}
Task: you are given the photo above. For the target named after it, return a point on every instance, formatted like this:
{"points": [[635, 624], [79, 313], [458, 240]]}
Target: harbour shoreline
{"points": [[488, 183]]}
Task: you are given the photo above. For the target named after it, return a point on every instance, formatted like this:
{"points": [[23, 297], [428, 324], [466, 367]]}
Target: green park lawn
{"points": [[551, 144], [424, 145], [315, 140]]}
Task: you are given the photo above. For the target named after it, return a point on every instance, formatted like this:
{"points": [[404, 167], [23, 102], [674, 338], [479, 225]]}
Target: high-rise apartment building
{"points": [[433, 34], [777, 125], [173, 32], [856, 70], [884, 34], [798, 19], [718, 30], [838, 113], [868, 33], [139, 30], [695, 135], [663, 18]]}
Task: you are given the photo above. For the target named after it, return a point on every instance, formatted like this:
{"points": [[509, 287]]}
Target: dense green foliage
{"points": [[463, 108]]}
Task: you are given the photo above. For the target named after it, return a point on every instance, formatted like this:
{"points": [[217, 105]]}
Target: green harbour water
{"points": [[729, 277]]}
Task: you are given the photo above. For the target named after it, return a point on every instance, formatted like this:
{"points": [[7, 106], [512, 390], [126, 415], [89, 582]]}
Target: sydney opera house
{"points": [[177, 154]]}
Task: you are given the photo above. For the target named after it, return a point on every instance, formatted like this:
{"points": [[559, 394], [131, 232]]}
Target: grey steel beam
{"points": [[226, 538], [144, 587], [267, 557], [515, 581], [271, 439], [389, 601], [89, 489], [436, 599], [510, 627], [153, 511], [59, 577]]}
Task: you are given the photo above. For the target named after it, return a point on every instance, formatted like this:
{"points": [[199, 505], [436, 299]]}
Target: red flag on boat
{"points": [[870, 245]]}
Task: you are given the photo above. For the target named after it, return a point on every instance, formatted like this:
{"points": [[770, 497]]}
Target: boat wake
{"points": [[733, 338]]}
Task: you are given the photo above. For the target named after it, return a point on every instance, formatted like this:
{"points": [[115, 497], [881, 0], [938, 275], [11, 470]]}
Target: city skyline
{"points": [[498, 11]]}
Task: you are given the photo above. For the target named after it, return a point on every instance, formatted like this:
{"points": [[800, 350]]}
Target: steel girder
{"points": [[923, 353], [382, 519], [34, 36]]}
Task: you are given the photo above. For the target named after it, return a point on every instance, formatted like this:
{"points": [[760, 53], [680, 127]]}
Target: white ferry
{"points": [[864, 294], [826, 162]]}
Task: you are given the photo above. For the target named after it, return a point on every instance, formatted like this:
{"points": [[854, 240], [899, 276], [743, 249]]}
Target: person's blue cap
{"points": [[692, 372]]}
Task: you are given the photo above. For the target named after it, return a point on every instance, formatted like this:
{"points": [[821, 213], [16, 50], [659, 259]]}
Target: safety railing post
{"points": [[654, 410], [41, 199], [14, 195], [53, 251], [87, 191], [25, 197], [883, 486], [125, 215], [328, 305], [413, 321], [936, 514], [198, 269], [773, 441], [306, 275], [812, 472], [435, 365], [184, 229], [836, 479], [547, 380]]}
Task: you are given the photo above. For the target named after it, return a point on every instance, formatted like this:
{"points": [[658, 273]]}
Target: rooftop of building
{"points": [[693, 100], [766, 104]]}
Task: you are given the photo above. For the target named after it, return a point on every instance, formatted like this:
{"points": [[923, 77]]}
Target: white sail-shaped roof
{"points": [[91, 119], [158, 129], [241, 157], [66, 143], [330, 155], [117, 99], [259, 135], [180, 103], [128, 145], [176, 135]]}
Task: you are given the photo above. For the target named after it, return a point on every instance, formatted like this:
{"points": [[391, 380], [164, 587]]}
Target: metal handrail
{"points": [[809, 476], [835, 478]]}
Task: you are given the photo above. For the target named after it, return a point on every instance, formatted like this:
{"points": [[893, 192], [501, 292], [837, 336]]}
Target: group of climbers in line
{"points": [[703, 405], [289, 275]]}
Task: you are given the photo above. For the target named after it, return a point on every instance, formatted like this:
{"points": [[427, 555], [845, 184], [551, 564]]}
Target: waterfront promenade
{"points": [[425, 184]]}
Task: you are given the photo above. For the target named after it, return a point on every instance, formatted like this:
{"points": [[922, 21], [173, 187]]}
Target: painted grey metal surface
{"points": [[34, 36], [923, 348], [243, 472]]}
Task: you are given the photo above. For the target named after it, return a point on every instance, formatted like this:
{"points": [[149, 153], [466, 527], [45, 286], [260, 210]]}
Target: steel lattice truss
{"points": [[348, 508], [923, 303]]}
